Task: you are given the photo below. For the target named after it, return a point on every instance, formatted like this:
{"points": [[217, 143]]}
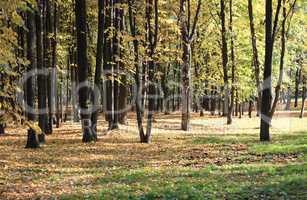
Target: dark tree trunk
{"points": [[270, 33], [32, 141], [152, 36], [123, 91], [98, 70], [58, 107], [213, 101], [297, 84], [54, 93], [73, 91], [2, 128], [47, 59], [187, 34], [250, 108], [117, 64], [166, 100], [82, 61], [138, 98], [67, 89], [232, 98], [224, 57], [303, 102], [288, 101], [123, 86], [267, 80], [41, 78], [240, 110], [108, 67]]}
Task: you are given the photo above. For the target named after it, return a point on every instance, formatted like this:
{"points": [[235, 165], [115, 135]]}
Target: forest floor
{"points": [[212, 161]]}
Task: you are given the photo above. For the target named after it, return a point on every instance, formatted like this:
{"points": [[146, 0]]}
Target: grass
{"points": [[213, 161]]}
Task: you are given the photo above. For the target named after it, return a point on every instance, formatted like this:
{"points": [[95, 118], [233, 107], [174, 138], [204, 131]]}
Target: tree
{"points": [[304, 89], [82, 62], [99, 57], [41, 77], [224, 49], [187, 34], [267, 108], [32, 140], [48, 61], [137, 76], [231, 106]]}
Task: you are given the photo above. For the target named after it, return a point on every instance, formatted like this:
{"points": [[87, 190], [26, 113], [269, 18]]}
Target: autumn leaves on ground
{"points": [[213, 161]]}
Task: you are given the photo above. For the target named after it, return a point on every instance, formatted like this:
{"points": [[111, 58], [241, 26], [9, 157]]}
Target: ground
{"points": [[213, 161]]}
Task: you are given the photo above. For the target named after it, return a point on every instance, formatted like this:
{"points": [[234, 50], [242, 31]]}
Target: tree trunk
{"points": [[41, 77], [108, 67], [240, 110], [2, 128], [297, 84], [123, 86], [152, 36], [213, 101], [67, 89], [186, 90], [267, 79], [47, 60], [187, 34], [54, 93], [250, 108], [303, 102], [237, 104], [224, 57], [73, 92], [98, 70], [32, 140], [229, 114], [80, 11], [138, 98], [288, 102]]}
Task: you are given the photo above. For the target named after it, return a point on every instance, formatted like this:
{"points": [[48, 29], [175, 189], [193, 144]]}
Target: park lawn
{"points": [[212, 161]]}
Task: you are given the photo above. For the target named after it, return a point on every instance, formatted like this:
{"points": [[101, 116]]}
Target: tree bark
{"points": [[303, 101], [267, 79], [99, 62], [109, 68], [2, 128], [138, 92], [123, 86], [53, 75], [47, 59], [32, 140], [250, 108], [152, 36], [187, 34], [224, 57], [82, 61], [297, 84], [41, 78], [186, 90], [230, 111]]}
